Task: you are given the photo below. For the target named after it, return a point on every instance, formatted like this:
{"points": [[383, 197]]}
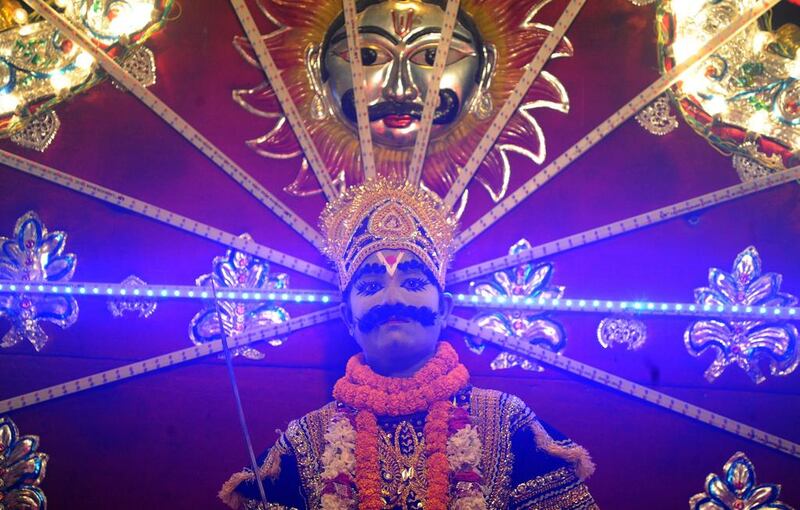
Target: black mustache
{"points": [[445, 113], [378, 315]]}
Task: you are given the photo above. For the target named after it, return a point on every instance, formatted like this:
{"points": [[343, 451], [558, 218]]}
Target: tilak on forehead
{"points": [[383, 215], [403, 20]]}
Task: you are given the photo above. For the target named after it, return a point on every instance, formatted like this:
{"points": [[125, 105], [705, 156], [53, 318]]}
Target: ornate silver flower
{"points": [[526, 280], [238, 270], [747, 342], [737, 489], [22, 469], [35, 255]]}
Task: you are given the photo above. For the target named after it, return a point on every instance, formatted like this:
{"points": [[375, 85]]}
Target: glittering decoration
{"points": [[39, 131], [141, 64], [119, 306], [33, 254], [527, 280], [381, 215], [22, 469], [622, 330], [745, 97], [657, 117], [512, 27], [745, 343], [40, 68], [736, 489], [640, 3], [238, 270], [749, 169]]}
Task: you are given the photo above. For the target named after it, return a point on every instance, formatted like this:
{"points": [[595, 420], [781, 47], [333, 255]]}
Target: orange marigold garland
{"points": [[452, 446]]}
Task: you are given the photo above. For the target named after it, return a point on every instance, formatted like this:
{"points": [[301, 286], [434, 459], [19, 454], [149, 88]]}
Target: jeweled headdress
{"points": [[381, 214]]}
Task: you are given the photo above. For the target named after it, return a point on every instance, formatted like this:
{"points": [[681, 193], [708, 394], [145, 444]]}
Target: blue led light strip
{"points": [[163, 215], [165, 360], [152, 292], [627, 387], [628, 307], [200, 142], [627, 225]]}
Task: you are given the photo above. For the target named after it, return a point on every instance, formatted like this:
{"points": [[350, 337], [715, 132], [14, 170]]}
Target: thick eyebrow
{"points": [[434, 30], [366, 30], [415, 265], [368, 269]]}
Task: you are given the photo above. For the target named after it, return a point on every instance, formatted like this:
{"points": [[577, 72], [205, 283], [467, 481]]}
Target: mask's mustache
{"points": [[445, 113], [381, 314]]}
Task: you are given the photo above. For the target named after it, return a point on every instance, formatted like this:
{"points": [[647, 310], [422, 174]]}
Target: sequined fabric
{"points": [[517, 473]]}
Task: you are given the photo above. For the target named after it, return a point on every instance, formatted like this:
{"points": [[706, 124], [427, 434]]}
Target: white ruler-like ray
{"points": [[165, 361], [163, 215], [432, 94], [609, 380], [273, 74], [509, 108], [607, 126], [627, 225], [124, 79], [359, 89]]}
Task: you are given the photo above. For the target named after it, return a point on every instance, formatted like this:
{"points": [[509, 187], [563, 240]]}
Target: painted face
{"points": [[398, 48], [395, 310]]}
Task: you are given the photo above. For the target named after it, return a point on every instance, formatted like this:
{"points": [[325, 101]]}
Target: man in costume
{"points": [[406, 429]]}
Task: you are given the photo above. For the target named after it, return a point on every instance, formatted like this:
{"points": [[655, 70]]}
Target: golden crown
{"points": [[382, 214]]}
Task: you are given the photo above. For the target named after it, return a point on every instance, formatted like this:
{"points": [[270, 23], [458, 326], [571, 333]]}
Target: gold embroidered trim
{"points": [[307, 438], [493, 417], [271, 468], [576, 497], [571, 452]]}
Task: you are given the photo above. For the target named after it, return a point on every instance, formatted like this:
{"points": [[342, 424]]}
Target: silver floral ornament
{"points": [[131, 303], [526, 280], [35, 255], [238, 270], [745, 343], [22, 468], [657, 118], [622, 330], [736, 489]]}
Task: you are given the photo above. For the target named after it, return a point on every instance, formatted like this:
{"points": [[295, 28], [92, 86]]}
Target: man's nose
{"points": [[391, 294], [400, 87]]}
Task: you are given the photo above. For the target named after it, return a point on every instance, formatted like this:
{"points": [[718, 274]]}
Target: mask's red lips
{"points": [[398, 121]]}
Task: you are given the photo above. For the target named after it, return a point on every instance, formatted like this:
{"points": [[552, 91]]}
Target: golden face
{"points": [[398, 48]]}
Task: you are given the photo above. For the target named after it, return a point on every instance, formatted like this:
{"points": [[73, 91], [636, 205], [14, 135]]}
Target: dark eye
{"points": [[430, 56], [368, 56], [415, 284], [427, 56], [367, 288]]}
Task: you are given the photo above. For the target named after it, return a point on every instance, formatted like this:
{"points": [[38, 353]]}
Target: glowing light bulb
{"points": [[27, 29], [759, 122], [685, 47], [84, 60], [760, 41], [131, 18], [61, 3], [8, 102], [694, 82], [716, 105], [20, 15], [59, 81], [794, 67]]}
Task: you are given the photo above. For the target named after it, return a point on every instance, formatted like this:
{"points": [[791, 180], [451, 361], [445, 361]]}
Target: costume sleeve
{"points": [[280, 477], [549, 470]]}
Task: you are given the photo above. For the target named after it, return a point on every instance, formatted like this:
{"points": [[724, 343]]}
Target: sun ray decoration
{"points": [[525, 281], [301, 28], [736, 489], [22, 469], [232, 271], [35, 255], [747, 342]]}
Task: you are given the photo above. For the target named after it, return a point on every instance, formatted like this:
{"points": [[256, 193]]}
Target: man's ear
{"points": [[347, 317], [445, 305]]}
